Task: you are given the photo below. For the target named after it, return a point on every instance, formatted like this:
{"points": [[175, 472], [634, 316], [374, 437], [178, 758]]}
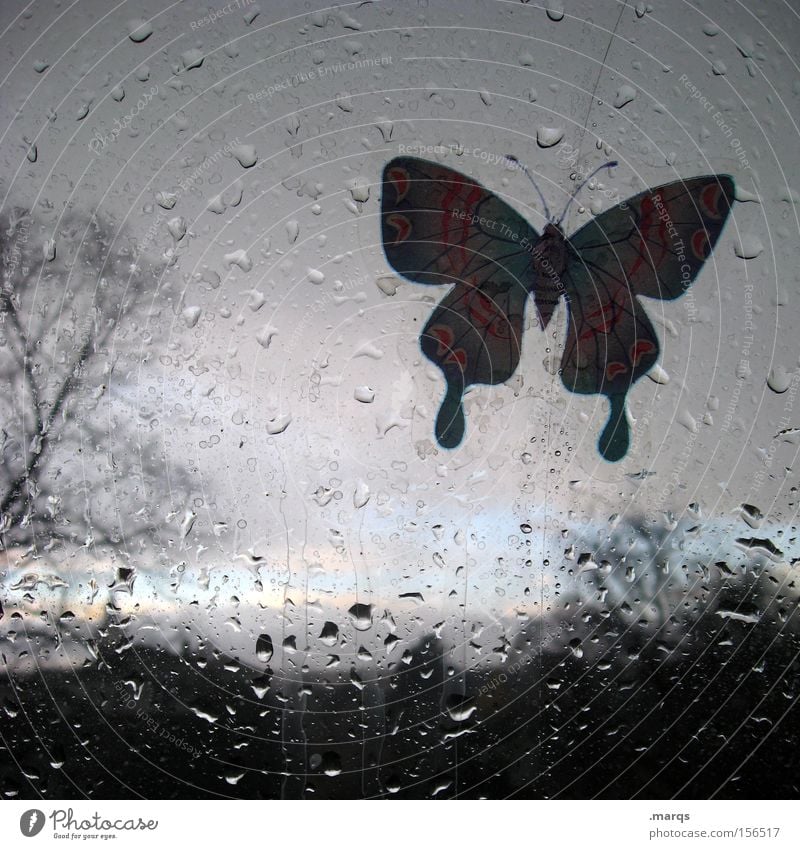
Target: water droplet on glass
{"points": [[191, 315], [139, 30], [748, 246], [554, 9], [361, 616], [278, 424], [192, 58], [166, 200], [364, 394], [361, 495], [625, 94], [779, 379], [245, 155], [264, 336], [549, 136], [264, 648], [685, 418], [239, 258], [658, 375], [251, 14], [177, 228], [359, 189], [329, 634]]}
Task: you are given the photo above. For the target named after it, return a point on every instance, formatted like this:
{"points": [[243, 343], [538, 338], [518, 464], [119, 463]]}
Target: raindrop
{"points": [[166, 200], [361, 616], [779, 379], [387, 284], [187, 523], [386, 128], [139, 30], [192, 58], [459, 708], [359, 189], [748, 247], [264, 336], [555, 9], [239, 258], [264, 648], [549, 136], [177, 228], [245, 154], [658, 375], [331, 763], [191, 315], [361, 495], [625, 94], [278, 424], [687, 420], [329, 634], [575, 648], [752, 515], [251, 14], [364, 394]]}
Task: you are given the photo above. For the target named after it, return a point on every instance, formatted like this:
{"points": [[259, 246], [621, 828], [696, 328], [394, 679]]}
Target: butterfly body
{"points": [[439, 226]]}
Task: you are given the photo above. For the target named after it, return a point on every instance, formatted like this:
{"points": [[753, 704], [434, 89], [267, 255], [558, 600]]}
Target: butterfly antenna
{"points": [[608, 165], [527, 173]]}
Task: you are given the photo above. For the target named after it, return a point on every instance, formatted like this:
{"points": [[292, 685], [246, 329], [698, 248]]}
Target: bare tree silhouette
{"points": [[68, 306]]}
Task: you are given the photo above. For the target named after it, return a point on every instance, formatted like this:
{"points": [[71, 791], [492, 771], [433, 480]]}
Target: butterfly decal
{"points": [[441, 227]]}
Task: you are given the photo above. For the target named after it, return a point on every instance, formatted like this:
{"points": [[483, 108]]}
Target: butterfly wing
{"points": [[439, 226], [653, 245]]}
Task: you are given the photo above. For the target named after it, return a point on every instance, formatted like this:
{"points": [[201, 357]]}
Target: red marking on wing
{"points": [[401, 224], [602, 320], [710, 201], [401, 182], [615, 369], [444, 337], [701, 247], [486, 314], [639, 349], [482, 310], [459, 357]]}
